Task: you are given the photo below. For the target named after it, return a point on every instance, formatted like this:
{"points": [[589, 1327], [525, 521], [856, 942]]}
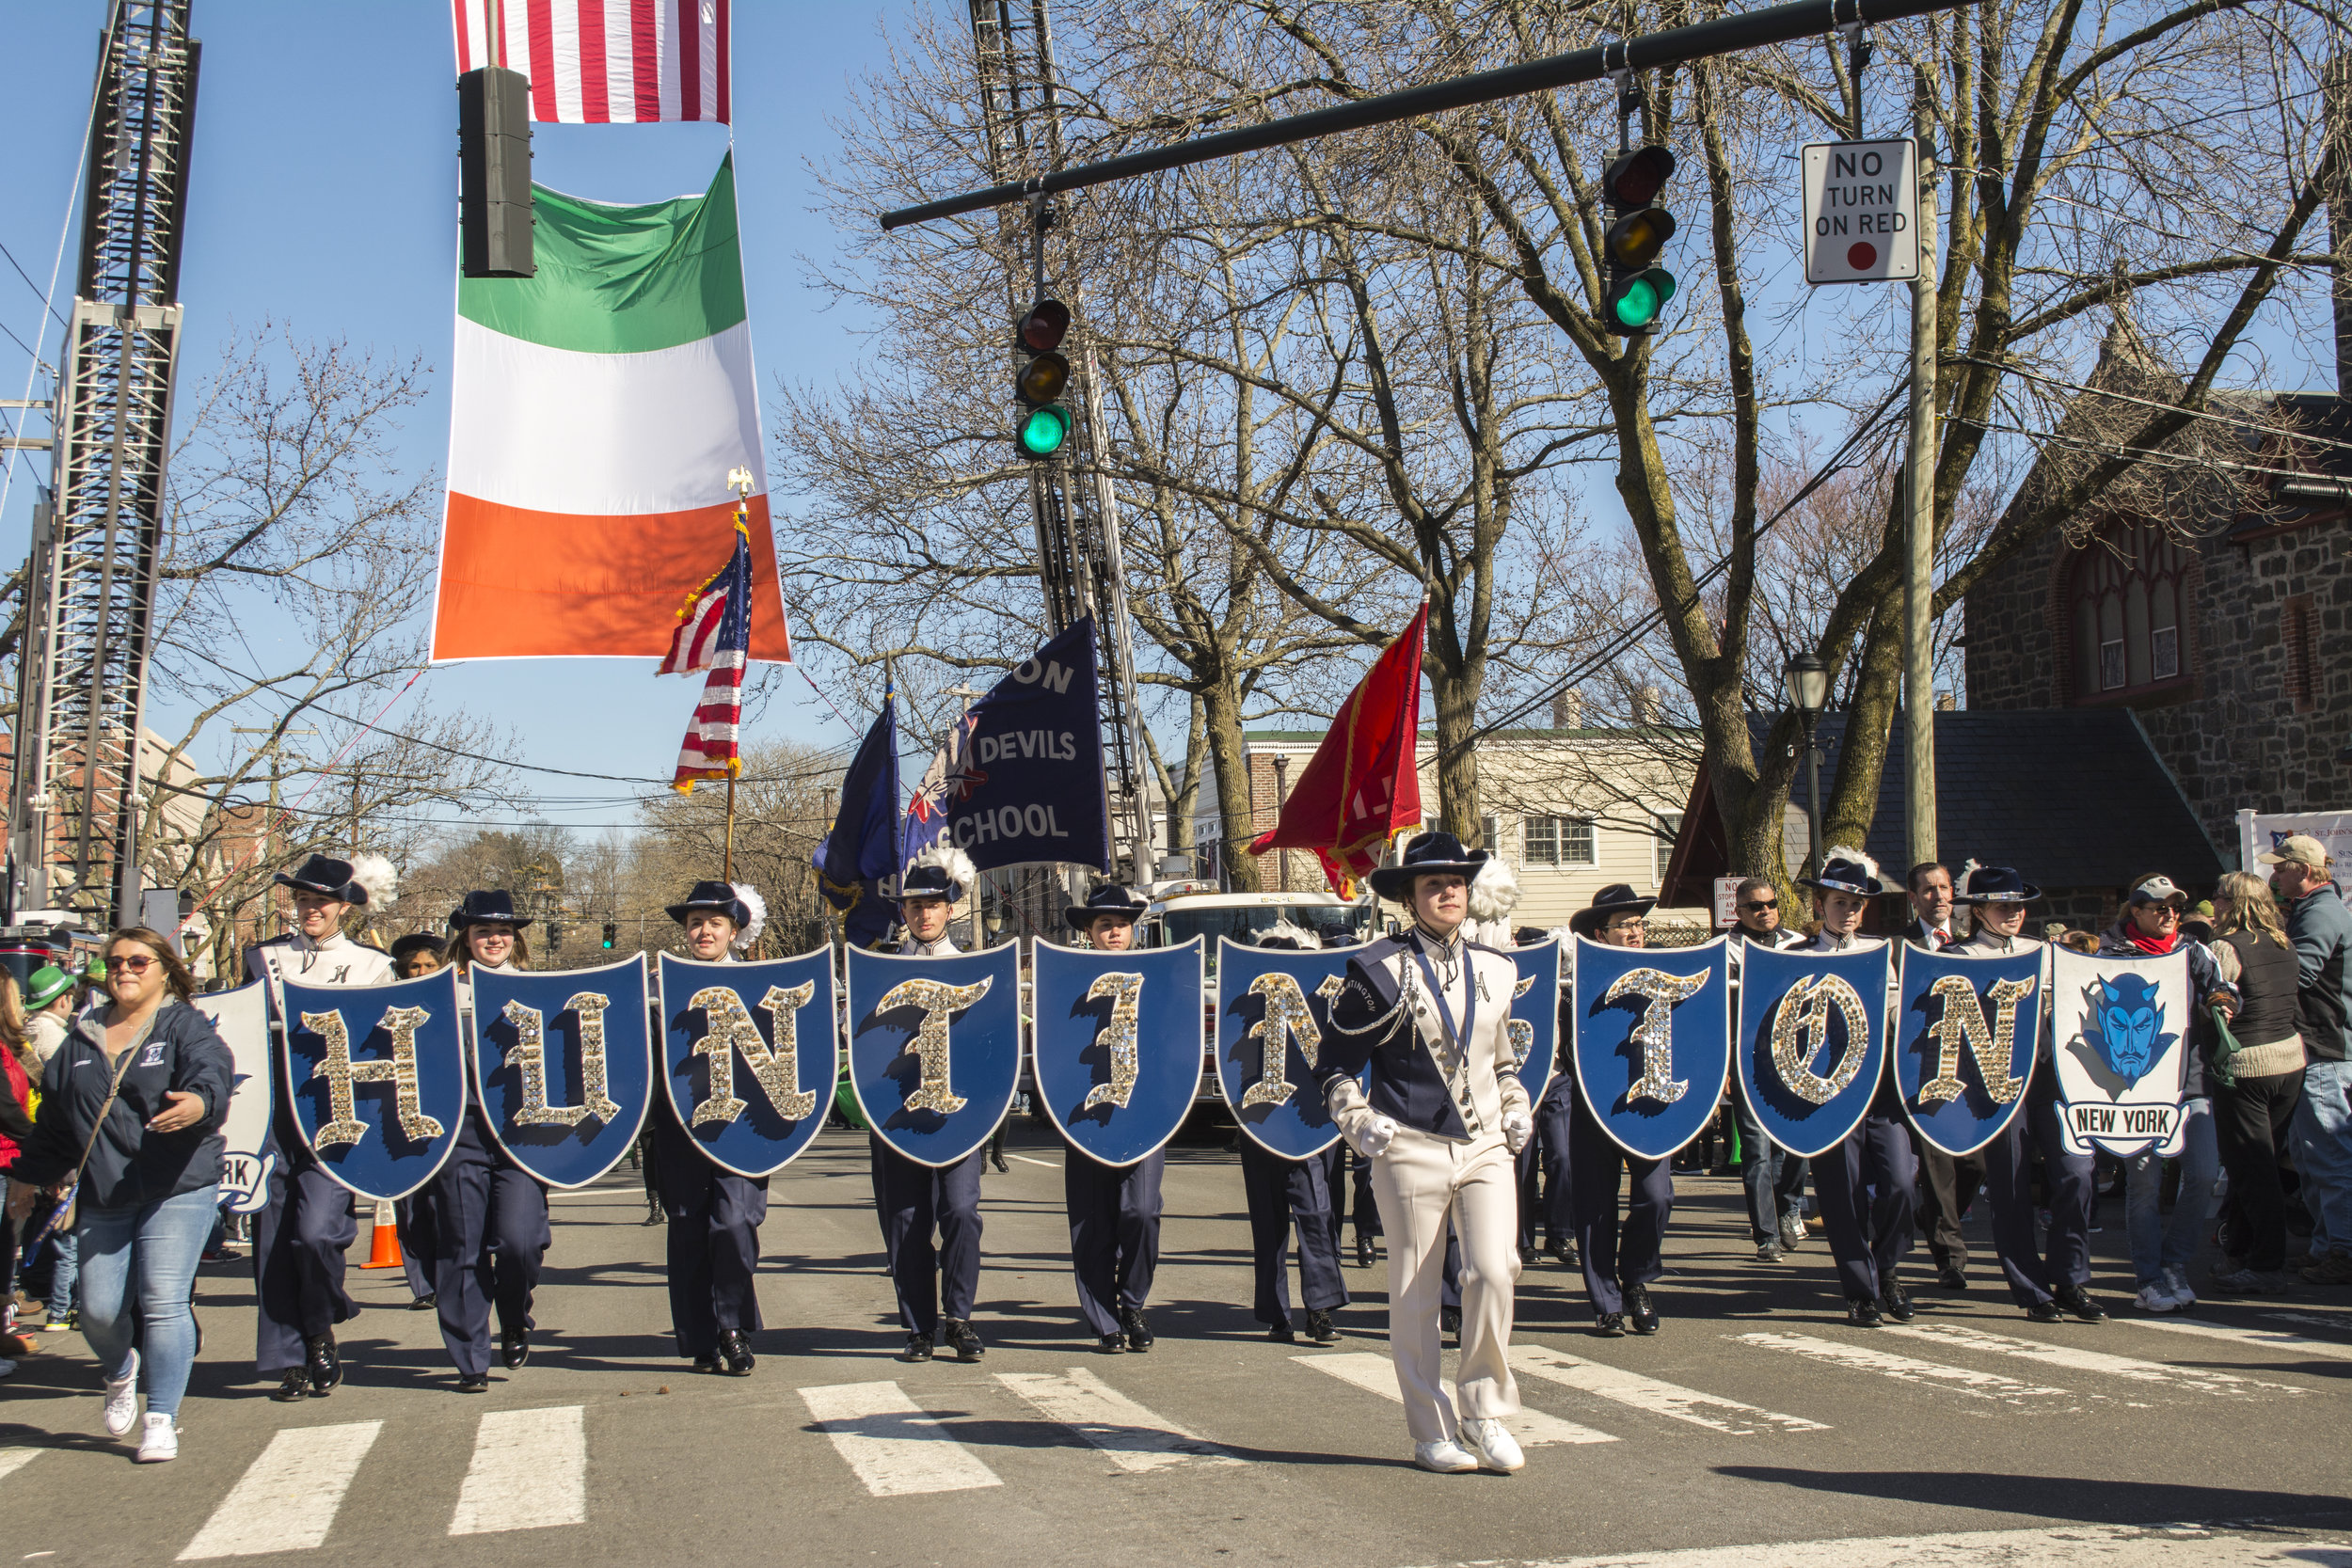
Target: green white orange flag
{"points": [[595, 412]]}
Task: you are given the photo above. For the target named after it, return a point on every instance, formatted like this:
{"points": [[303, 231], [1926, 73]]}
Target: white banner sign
{"points": [[2121, 1028], [241, 1016], [1861, 212], [2260, 833]]}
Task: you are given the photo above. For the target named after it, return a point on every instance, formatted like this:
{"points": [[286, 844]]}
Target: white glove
{"points": [[1374, 1135], [1518, 1127]]}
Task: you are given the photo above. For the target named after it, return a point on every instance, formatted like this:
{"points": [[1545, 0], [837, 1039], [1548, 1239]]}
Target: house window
{"points": [[1491, 835], [1669, 828], [2127, 608], [1556, 841]]}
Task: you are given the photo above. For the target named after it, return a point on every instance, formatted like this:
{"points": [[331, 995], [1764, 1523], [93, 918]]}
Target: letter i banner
{"points": [[376, 1078], [1966, 1031], [1812, 1043], [1273, 1026], [750, 1056], [935, 1048], [2120, 1038], [1535, 1026], [563, 1066], [1117, 1042], [1653, 1040]]}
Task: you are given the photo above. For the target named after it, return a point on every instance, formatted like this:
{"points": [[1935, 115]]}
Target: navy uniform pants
{"points": [[299, 1238], [1279, 1192], [488, 1218], [1547, 1151], [2032, 1275], [939, 1278], [416, 1249], [1616, 1254], [1865, 1188], [1114, 1234], [714, 1225]]}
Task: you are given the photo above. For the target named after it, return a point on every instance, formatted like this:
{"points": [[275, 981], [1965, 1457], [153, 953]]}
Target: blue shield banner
{"points": [[1812, 1043], [2121, 1035], [1653, 1040], [1535, 1014], [935, 1048], [376, 1077], [1273, 1014], [749, 1057], [1966, 1031], [1116, 1045], [248, 1154], [563, 1065]]}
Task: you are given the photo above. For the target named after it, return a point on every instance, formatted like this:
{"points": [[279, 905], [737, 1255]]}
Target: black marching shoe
{"points": [[1450, 1321], [654, 1216], [1609, 1325], [1562, 1254], [1363, 1249], [1319, 1329], [705, 1364], [1864, 1314], [1283, 1334], [2078, 1305], [1139, 1336], [325, 1367], [959, 1333], [1641, 1315], [292, 1383], [425, 1303], [475, 1383], [1528, 1256], [918, 1348], [515, 1349], [1896, 1304], [735, 1352], [2044, 1311], [1951, 1279], [1112, 1344]]}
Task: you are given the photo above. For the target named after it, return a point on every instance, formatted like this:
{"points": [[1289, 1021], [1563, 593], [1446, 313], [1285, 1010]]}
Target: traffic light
{"points": [[555, 937], [1040, 381], [494, 173], [610, 932], [1635, 289]]}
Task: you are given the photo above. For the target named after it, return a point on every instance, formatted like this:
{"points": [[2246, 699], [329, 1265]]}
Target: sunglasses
{"points": [[1767, 904], [130, 963]]}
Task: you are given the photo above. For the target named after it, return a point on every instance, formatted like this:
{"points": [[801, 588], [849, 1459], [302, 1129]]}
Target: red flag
{"points": [[1362, 784]]}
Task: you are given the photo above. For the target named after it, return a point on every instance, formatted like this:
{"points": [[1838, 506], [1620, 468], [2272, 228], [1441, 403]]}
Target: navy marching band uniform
{"points": [[1282, 1193], [1114, 1209], [1951, 1180], [1772, 1178]]}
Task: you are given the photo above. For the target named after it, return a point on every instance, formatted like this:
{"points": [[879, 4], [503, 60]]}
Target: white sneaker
{"points": [[2177, 1282], [160, 1442], [123, 1400], [2154, 1298], [1495, 1448], [1445, 1456]]}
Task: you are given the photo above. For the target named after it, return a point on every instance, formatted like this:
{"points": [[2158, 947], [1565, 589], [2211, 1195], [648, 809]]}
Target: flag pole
{"points": [[740, 481], [727, 859]]}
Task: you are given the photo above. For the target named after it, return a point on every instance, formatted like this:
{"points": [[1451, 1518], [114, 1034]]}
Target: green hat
{"points": [[95, 970], [46, 984]]}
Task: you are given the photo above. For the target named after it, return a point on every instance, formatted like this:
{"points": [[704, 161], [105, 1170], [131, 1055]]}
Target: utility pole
{"points": [[269, 824], [1920, 499]]}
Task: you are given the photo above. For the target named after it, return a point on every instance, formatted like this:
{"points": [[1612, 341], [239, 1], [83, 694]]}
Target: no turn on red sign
{"points": [[1861, 212]]}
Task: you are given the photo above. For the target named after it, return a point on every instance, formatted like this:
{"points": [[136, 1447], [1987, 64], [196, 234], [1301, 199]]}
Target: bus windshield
{"points": [[1335, 924]]}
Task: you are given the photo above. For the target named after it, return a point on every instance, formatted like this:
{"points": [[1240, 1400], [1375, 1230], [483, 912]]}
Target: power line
{"points": [[29, 283]]}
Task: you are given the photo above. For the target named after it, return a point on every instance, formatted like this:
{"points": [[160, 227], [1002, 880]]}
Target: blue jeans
{"points": [[65, 1246], [2322, 1136], [157, 1245], [2155, 1245]]}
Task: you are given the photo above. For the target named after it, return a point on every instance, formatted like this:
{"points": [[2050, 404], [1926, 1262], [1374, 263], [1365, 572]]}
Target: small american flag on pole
{"points": [[714, 634]]}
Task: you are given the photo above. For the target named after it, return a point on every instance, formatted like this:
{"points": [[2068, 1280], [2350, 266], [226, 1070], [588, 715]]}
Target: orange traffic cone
{"points": [[384, 1247]]}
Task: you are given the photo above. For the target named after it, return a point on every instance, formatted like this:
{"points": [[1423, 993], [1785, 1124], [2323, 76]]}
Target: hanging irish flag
{"points": [[595, 412]]}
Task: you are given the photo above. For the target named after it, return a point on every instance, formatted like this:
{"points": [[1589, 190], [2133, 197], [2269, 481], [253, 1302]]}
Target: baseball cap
{"points": [[2158, 890], [2297, 850]]}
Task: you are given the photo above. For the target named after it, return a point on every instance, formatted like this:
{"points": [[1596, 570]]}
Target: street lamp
{"points": [[1806, 679]]}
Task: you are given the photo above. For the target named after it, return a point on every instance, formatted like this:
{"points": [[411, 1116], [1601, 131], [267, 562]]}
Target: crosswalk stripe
{"points": [[1905, 1369], [1655, 1395], [1132, 1436], [2253, 1338], [286, 1499], [2068, 1546], [2194, 1379], [529, 1470], [2313, 1318], [1376, 1374], [13, 1460], [897, 1447]]}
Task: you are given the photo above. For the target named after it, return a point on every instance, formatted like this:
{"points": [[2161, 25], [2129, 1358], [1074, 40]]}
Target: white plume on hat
{"points": [[954, 862], [1839, 852], [1967, 871], [377, 875], [759, 922], [1307, 941], [1494, 893]]}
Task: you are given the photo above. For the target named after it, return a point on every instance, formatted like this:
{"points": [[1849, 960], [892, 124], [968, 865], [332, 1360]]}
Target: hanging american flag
{"points": [[714, 633], [605, 61]]}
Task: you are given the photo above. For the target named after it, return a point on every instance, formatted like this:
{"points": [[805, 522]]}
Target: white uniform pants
{"points": [[1417, 1180]]}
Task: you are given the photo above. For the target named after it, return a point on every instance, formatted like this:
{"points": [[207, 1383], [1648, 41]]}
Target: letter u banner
{"points": [[935, 1048], [376, 1077], [1812, 1043], [564, 1064], [1273, 1012], [749, 1057], [1965, 1035], [1653, 1040], [1116, 1044], [2121, 1038]]}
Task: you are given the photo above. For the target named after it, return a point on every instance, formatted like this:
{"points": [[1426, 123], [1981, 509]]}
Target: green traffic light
{"points": [[1642, 299], [1045, 430]]}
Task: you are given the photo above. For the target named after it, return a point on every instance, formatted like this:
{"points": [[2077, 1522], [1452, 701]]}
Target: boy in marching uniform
{"points": [[1867, 1236], [1428, 1014], [714, 1214], [1279, 1192], [303, 1230], [935, 1280], [1620, 1260], [1114, 1211]]}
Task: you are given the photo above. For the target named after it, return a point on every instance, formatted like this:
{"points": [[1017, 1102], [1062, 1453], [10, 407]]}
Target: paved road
{"points": [[1756, 1417]]}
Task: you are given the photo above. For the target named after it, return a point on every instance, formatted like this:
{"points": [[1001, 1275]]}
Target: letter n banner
{"points": [[376, 1078], [1273, 1018], [1965, 1038], [750, 1056], [935, 1048]]}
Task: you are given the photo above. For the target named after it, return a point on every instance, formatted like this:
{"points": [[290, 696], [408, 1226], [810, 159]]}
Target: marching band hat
{"points": [[486, 907], [942, 871], [1994, 884], [1437, 853], [413, 943], [1124, 903], [1616, 898], [721, 897], [1847, 871], [329, 878]]}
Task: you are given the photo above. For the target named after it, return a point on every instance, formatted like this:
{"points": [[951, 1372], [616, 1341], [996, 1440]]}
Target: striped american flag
{"points": [[604, 62], [714, 633]]}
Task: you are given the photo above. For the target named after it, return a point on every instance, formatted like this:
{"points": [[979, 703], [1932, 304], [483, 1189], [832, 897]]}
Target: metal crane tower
{"points": [[82, 682]]}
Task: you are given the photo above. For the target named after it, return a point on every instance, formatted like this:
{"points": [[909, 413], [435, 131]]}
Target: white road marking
{"points": [[2067, 1547], [2189, 1379], [286, 1499], [897, 1447], [1049, 1164], [1904, 1369], [13, 1460], [529, 1470], [1658, 1397], [1132, 1436], [1376, 1374], [2253, 1338], [2315, 1319]]}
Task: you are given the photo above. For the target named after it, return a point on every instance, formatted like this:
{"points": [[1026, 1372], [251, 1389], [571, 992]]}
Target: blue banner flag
{"points": [[1966, 1033], [1020, 780], [1535, 1014], [1273, 1025], [375, 1078], [750, 1056], [935, 1048], [1116, 1045], [1812, 1041], [564, 1063], [862, 851], [1653, 1040]]}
